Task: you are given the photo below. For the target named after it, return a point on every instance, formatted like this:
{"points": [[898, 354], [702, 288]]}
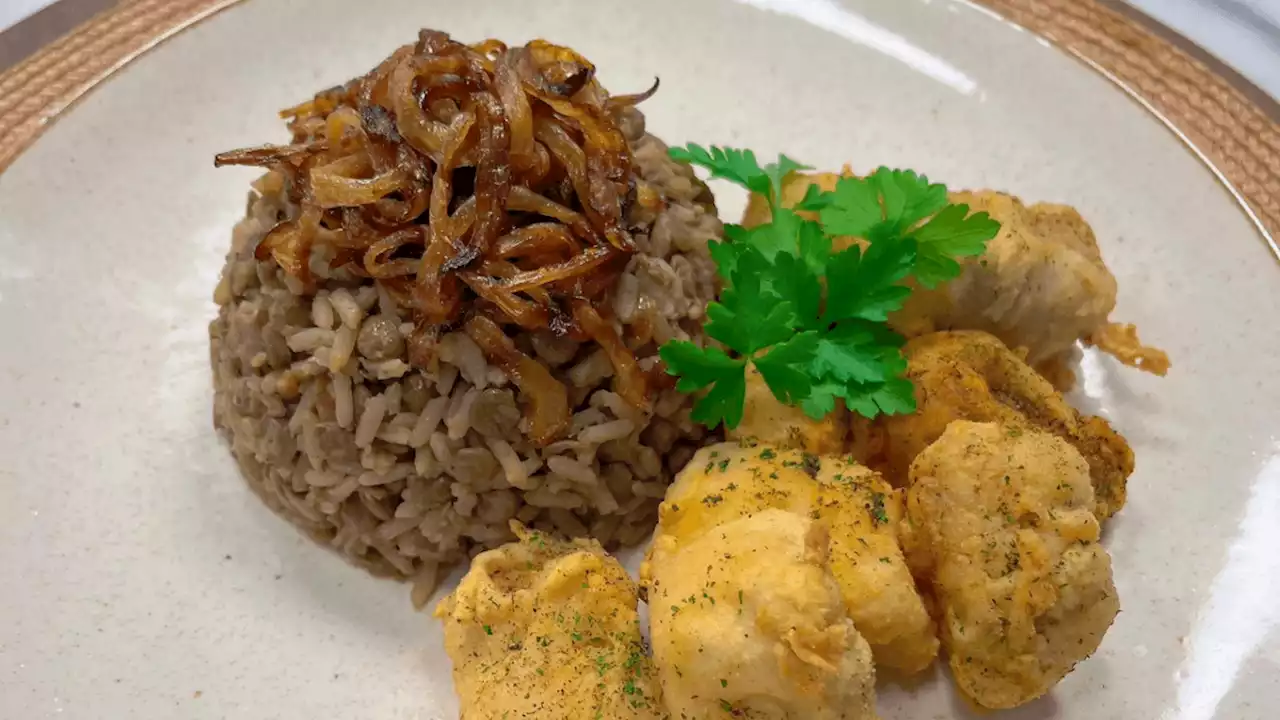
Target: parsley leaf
{"points": [[740, 167], [908, 197], [725, 254], [854, 208], [797, 284], [950, 234], [814, 322], [723, 403], [815, 246], [736, 166], [750, 316], [814, 199], [887, 203], [778, 171], [896, 397], [850, 354], [785, 368], [769, 239], [864, 284], [701, 367], [822, 399], [859, 362]]}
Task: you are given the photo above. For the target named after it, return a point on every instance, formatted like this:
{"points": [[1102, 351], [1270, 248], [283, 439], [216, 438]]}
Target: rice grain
{"points": [[370, 420]]}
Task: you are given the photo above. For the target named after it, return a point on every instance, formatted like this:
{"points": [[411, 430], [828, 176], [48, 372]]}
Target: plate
{"points": [[142, 578]]}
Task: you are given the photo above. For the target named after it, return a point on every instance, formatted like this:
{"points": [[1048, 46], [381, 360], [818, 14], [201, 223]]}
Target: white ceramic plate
{"points": [[141, 579]]}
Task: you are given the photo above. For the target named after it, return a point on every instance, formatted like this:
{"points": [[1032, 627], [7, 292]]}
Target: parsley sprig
{"points": [[814, 321]]}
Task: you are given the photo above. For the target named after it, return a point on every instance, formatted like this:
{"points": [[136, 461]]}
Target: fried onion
{"points": [[482, 186]]}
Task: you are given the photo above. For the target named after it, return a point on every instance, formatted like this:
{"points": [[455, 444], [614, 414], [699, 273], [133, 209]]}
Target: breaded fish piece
{"points": [[747, 621], [971, 375], [543, 629], [864, 513], [1042, 284], [1001, 526], [861, 511], [767, 420]]}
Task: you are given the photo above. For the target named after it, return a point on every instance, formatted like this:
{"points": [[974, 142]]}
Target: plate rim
{"points": [[1228, 123]]}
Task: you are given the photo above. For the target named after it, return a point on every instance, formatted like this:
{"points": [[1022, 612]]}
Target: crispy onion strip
{"points": [[378, 260], [425, 135], [289, 244], [539, 240], [437, 294], [579, 265], [267, 155], [493, 181], [628, 380], [519, 115], [632, 100], [546, 399], [525, 313], [522, 199], [338, 185]]}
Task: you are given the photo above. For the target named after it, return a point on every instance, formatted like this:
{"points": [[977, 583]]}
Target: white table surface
{"points": [[1244, 33]]}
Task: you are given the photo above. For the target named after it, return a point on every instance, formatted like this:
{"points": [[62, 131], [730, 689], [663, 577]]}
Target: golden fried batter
{"points": [[971, 375], [1121, 342], [747, 621], [544, 629], [1041, 285], [1001, 526], [729, 481]]}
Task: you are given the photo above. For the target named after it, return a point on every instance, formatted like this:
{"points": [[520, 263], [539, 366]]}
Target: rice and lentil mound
{"points": [[404, 470]]}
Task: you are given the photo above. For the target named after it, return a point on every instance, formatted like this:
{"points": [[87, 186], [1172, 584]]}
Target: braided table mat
{"points": [[1238, 135]]}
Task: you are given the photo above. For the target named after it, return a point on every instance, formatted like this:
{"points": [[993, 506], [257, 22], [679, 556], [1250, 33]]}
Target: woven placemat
{"points": [[1234, 132], [1235, 128], [35, 91]]}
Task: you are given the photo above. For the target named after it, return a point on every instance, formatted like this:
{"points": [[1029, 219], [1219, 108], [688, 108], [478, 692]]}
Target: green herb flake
{"points": [[877, 509]]}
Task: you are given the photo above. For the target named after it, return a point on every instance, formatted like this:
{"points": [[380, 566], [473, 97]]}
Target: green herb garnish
{"points": [[811, 320], [877, 509]]}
